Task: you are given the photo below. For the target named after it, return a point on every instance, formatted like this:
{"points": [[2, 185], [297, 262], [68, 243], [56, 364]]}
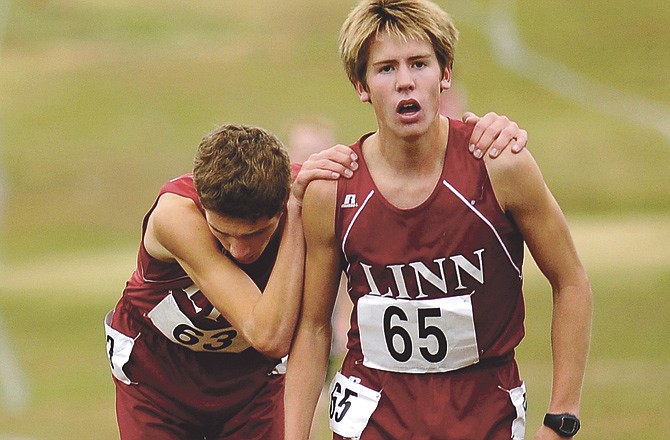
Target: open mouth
{"points": [[408, 107]]}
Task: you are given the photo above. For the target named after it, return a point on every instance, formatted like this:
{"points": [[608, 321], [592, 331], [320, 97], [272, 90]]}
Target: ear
{"points": [[363, 94], [445, 82]]}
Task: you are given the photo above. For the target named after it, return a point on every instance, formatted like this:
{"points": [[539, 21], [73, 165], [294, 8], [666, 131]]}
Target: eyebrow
{"points": [[242, 235], [394, 60]]}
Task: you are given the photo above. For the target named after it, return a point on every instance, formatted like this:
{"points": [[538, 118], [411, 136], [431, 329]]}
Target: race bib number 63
{"points": [[177, 327], [417, 336]]}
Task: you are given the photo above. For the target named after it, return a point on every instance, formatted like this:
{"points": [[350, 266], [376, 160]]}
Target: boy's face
{"points": [[244, 240], [404, 81]]}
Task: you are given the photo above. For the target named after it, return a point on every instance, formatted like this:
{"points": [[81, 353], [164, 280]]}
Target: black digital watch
{"points": [[565, 425]]}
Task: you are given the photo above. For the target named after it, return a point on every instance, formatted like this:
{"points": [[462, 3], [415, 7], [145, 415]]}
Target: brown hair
{"points": [[242, 172]]}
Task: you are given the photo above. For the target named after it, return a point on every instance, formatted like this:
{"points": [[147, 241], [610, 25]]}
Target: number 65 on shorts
{"points": [[351, 405]]}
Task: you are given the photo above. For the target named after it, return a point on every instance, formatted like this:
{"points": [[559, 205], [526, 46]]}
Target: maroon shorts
{"points": [[479, 402], [170, 392], [143, 413]]}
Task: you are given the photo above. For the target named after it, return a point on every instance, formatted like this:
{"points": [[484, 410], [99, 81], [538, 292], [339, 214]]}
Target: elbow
{"points": [[273, 349], [277, 352], [272, 344], [577, 287], [585, 288]]}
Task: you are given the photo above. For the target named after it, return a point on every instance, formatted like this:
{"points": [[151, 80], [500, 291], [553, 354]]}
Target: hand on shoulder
{"points": [[494, 133], [329, 164]]}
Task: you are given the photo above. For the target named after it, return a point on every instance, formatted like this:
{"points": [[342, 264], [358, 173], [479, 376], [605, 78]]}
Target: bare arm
{"points": [[522, 192], [494, 133], [308, 359], [177, 231]]}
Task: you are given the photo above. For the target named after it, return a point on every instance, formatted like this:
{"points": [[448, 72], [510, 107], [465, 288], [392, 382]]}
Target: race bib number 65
{"points": [[351, 406], [417, 336]]}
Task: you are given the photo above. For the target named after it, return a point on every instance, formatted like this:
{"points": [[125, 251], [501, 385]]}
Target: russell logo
{"points": [[350, 201]]}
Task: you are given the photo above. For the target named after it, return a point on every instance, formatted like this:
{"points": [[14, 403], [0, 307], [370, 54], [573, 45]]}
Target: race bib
{"points": [[417, 336], [351, 405], [119, 347], [177, 327]]}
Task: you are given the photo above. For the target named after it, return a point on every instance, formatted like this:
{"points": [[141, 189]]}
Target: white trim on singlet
{"points": [[485, 220], [360, 209]]}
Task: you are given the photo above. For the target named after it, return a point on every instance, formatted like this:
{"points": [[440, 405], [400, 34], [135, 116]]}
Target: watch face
{"points": [[569, 425], [565, 425]]}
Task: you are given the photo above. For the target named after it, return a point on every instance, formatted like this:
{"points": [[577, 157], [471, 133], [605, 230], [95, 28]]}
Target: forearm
{"points": [[308, 360], [570, 338], [307, 367], [276, 310]]}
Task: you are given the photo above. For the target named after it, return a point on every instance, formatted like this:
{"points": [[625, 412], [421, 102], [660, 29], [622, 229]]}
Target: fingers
{"points": [[343, 155], [305, 176], [484, 133], [340, 160], [521, 141], [330, 164], [470, 118], [494, 133]]}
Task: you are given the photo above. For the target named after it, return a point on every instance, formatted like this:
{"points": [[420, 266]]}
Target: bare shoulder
{"points": [[172, 220], [510, 164], [320, 192], [516, 178]]}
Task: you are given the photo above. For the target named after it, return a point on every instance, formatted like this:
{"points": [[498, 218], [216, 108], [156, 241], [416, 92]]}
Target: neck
{"points": [[414, 153], [405, 170]]}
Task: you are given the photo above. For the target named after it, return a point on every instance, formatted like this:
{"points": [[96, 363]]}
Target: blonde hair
{"points": [[406, 19], [242, 172]]}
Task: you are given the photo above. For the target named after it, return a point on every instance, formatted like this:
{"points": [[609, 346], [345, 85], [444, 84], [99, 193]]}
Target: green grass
{"points": [[101, 102], [60, 345]]}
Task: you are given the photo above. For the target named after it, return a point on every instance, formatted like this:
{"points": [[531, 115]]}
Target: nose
{"points": [[239, 250], [404, 78]]}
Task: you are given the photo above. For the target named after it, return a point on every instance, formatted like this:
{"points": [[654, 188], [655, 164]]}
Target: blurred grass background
{"points": [[101, 102]]}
